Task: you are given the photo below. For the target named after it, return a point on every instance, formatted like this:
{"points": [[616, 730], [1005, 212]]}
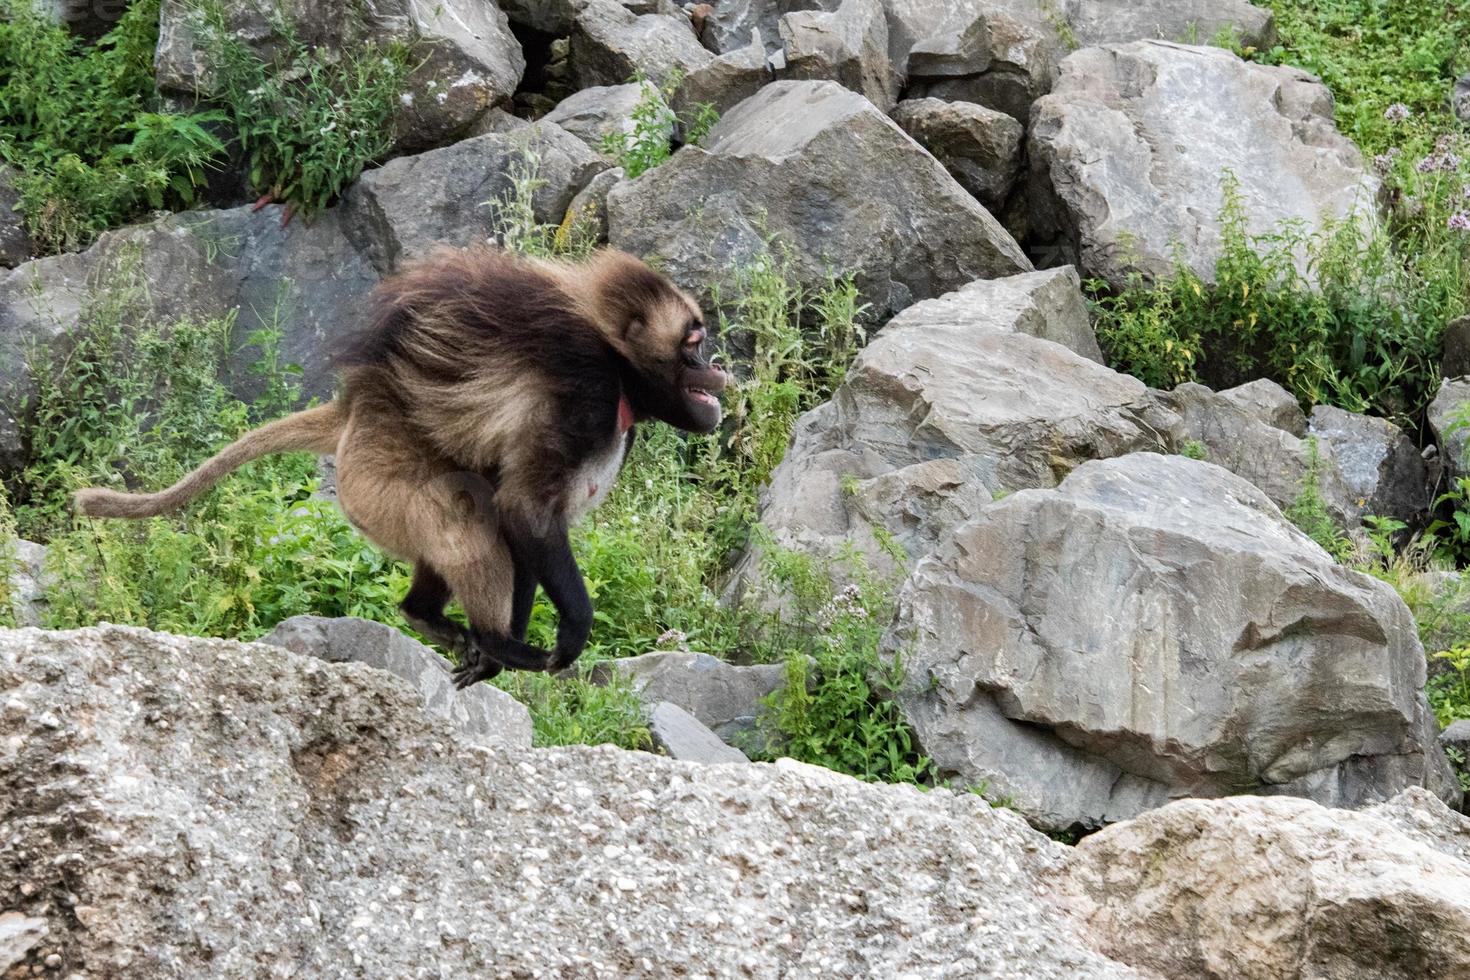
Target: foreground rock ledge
{"points": [[177, 807]]}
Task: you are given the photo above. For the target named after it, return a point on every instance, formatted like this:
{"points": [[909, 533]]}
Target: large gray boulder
{"points": [[727, 698], [832, 179], [1382, 470], [1152, 629], [848, 45], [725, 81], [1129, 151], [610, 44], [1282, 888], [450, 196], [482, 711], [463, 54], [1003, 53], [992, 389], [980, 147], [308, 279], [181, 807], [1460, 98], [991, 58]]}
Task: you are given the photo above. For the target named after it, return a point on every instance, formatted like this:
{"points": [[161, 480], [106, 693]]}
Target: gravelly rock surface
{"points": [[187, 808]]}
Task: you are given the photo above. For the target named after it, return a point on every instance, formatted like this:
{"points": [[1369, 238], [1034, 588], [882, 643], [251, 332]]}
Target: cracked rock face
{"points": [[463, 55], [1129, 150], [811, 164], [1153, 628], [989, 389], [176, 807]]}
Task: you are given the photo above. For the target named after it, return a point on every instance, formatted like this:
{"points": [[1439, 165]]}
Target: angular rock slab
{"points": [[29, 581], [830, 177], [724, 697], [1282, 888], [449, 196], [1153, 628], [1384, 473], [611, 44], [1268, 457], [1266, 401], [980, 147], [182, 807], [956, 400], [848, 45], [1129, 149], [683, 737], [465, 58], [482, 711]]}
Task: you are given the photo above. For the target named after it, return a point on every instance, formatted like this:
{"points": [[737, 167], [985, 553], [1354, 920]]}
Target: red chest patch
{"points": [[625, 415]]}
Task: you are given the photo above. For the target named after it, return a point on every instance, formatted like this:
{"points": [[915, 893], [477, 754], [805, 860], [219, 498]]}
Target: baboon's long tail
{"points": [[315, 430]]}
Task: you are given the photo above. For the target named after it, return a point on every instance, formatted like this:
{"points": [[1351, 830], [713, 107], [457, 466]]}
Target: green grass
{"points": [[1375, 53], [94, 148]]}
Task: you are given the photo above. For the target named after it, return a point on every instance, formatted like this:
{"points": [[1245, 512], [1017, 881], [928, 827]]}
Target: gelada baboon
{"points": [[486, 408]]}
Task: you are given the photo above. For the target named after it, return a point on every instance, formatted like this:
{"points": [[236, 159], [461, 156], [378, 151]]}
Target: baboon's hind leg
{"points": [[475, 564], [423, 607]]}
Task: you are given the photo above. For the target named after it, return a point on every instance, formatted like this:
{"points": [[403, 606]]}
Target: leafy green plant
{"points": [[835, 709], [647, 141], [516, 226], [1449, 691], [1453, 531], [1309, 511], [307, 119], [1360, 326], [79, 124]]}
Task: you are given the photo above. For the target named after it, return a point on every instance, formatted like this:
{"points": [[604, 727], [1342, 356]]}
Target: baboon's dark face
{"points": [[672, 379]]}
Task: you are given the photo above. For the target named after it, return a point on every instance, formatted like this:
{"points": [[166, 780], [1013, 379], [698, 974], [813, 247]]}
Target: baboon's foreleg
{"points": [[541, 548], [522, 600]]}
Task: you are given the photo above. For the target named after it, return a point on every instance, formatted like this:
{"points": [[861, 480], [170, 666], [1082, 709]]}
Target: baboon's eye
{"points": [[694, 338]]}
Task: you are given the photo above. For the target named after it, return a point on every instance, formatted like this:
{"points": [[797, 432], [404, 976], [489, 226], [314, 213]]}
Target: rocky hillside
{"points": [[1092, 489]]}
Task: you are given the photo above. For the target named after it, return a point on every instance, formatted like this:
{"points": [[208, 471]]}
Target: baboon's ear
{"points": [[634, 328]]}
